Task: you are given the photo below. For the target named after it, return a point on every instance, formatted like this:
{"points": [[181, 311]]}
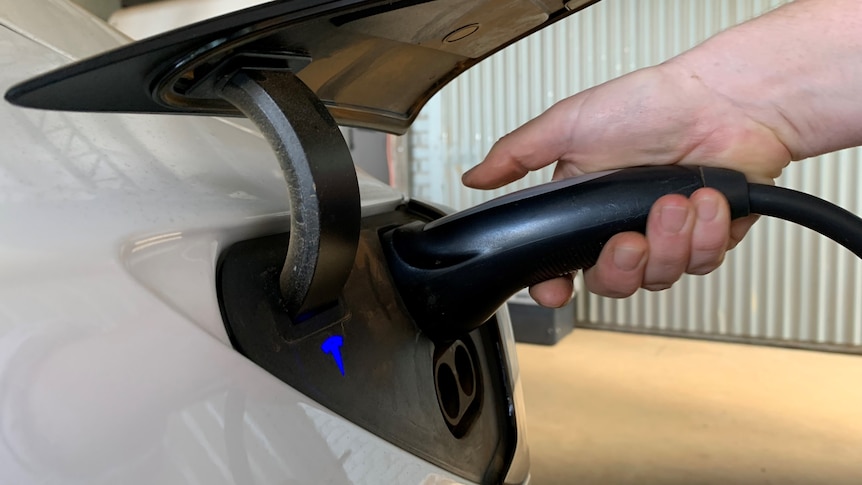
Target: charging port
{"points": [[458, 381]]}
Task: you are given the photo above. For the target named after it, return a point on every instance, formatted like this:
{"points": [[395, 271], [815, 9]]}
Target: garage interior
{"points": [[761, 388], [729, 378]]}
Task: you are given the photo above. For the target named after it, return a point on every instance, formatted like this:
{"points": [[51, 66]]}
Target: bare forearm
{"points": [[797, 70]]}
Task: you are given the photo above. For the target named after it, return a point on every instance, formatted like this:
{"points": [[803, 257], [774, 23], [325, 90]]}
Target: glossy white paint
{"points": [[62, 25], [114, 363], [153, 18]]}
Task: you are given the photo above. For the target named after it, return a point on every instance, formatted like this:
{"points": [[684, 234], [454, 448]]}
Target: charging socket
{"points": [[458, 381]]}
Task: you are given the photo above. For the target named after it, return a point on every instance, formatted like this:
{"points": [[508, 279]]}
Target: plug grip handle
{"points": [[453, 273]]}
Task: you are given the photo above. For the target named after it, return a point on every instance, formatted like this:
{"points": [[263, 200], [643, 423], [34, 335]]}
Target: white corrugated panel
{"points": [[784, 284]]}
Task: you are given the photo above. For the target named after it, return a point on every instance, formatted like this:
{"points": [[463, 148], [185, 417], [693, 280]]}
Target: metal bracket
{"points": [[321, 180]]}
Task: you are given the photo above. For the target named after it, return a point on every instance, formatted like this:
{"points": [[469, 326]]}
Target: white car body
{"points": [[115, 366]]}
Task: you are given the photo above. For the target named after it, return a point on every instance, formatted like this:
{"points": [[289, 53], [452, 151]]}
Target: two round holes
{"points": [[457, 380]]}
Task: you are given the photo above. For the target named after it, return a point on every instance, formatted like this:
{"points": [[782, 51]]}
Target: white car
{"points": [[145, 333]]}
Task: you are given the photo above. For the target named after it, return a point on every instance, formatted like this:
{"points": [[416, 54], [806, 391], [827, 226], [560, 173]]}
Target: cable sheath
{"points": [[814, 213]]}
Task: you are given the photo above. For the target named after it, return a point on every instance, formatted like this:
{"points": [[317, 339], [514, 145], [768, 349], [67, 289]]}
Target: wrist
{"points": [[721, 131], [793, 70]]}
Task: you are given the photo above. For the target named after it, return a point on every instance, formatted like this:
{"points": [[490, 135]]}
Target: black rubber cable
{"points": [[814, 213]]}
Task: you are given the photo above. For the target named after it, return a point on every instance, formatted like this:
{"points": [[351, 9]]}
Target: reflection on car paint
{"points": [[101, 379]]}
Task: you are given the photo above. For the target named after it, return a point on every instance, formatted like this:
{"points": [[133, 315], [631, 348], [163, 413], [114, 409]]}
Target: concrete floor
{"points": [[614, 408]]}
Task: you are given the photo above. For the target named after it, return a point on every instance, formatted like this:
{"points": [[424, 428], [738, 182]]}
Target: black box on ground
{"points": [[534, 324]]}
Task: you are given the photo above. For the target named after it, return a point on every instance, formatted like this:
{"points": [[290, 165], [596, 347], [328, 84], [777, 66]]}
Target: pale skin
{"points": [[784, 86]]}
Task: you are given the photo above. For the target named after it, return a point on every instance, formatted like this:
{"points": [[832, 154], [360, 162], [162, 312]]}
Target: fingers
{"points": [[739, 228], [553, 293], [683, 236], [669, 233], [711, 236], [619, 272], [534, 145]]}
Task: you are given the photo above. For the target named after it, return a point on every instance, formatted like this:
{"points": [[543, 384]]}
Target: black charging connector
{"points": [[455, 272]]}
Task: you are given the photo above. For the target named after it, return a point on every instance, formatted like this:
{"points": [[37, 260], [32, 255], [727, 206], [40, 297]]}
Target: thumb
{"points": [[536, 144]]}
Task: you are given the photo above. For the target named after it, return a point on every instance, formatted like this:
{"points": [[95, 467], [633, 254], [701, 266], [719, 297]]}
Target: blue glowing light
{"points": [[332, 346]]}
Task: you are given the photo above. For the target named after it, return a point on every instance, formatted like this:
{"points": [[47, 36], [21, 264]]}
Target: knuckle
{"points": [[666, 270], [705, 264], [657, 286], [711, 245], [702, 269], [615, 292], [597, 284]]}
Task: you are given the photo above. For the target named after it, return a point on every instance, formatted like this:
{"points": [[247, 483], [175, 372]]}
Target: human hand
{"points": [[655, 116]]}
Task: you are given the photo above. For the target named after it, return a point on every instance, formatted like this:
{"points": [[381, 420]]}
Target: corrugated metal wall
{"points": [[783, 285]]}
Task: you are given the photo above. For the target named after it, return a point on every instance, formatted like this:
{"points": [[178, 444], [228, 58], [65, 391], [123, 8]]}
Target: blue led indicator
{"points": [[332, 346]]}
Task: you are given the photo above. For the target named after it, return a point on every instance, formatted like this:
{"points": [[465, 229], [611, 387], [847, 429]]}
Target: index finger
{"points": [[536, 144]]}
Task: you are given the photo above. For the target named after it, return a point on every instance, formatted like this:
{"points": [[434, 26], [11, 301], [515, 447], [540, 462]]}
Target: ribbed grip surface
{"points": [[569, 260]]}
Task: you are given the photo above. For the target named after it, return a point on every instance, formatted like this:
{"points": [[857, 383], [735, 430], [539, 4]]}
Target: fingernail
{"points": [[707, 209], [626, 258], [673, 218]]}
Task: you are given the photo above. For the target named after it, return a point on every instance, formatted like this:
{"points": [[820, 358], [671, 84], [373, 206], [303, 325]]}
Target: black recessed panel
{"points": [[365, 359]]}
